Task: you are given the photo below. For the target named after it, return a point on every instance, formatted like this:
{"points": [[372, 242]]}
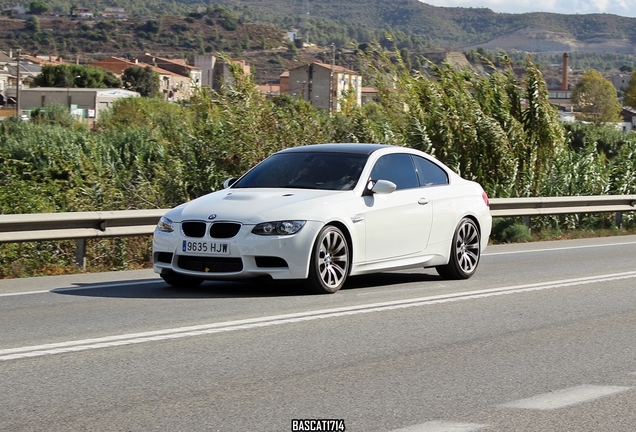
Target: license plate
{"points": [[205, 248]]}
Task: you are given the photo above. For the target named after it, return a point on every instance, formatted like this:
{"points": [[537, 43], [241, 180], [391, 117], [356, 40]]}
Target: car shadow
{"points": [[158, 289], [389, 278]]}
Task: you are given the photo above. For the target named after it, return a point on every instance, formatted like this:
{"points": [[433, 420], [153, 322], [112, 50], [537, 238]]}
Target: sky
{"points": [[616, 7]]}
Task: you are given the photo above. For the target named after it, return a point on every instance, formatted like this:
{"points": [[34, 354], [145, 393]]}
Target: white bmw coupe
{"points": [[320, 213]]}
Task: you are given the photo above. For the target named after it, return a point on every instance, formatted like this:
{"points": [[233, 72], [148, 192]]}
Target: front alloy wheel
{"points": [[330, 260], [465, 252]]}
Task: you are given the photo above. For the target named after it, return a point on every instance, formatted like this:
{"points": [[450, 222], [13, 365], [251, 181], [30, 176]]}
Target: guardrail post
{"points": [[619, 219], [526, 221], [80, 253]]}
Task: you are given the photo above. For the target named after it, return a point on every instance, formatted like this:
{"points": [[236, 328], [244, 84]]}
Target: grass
{"points": [[519, 233]]}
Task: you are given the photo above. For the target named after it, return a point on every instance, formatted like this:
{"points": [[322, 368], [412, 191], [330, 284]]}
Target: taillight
{"points": [[485, 198]]}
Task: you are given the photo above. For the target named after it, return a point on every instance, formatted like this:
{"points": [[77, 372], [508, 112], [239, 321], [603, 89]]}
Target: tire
{"points": [[181, 281], [465, 252], [330, 262]]}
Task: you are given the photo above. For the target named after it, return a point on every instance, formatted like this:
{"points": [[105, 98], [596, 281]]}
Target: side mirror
{"points": [[380, 187], [229, 182]]}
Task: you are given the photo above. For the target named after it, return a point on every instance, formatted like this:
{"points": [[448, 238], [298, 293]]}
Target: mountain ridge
{"points": [[446, 27], [539, 40], [255, 30], [415, 25]]}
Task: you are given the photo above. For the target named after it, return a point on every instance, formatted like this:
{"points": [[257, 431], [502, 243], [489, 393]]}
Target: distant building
{"points": [[223, 73], [292, 35], [369, 94], [15, 10], [324, 86], [173, 86], [178, 66], [562, 99], [43, 60], [82, 12], [284, 82], [621, 80], [270, 90], [115, 12], [629, 118], [5, 83], [206, 63], [11, 80], [85, 104], [215, 72]]}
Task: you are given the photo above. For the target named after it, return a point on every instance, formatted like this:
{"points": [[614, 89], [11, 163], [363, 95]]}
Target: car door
{"points": [[397, 224]]}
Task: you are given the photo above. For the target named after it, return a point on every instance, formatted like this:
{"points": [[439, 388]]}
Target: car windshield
{"points": [[306, 170]]}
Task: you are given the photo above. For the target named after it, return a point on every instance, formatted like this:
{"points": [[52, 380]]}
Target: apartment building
{"points": [[171, 84], [216, 72], [325, 86]]}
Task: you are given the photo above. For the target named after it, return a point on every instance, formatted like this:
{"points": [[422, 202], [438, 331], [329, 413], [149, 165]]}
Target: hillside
{"points": [[418, 23], [87, 40], [539, 40], [415, 25], [256, 30]]}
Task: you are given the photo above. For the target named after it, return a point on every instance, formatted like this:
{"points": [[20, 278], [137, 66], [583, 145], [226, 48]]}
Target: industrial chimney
{"points": [[564, 81]]}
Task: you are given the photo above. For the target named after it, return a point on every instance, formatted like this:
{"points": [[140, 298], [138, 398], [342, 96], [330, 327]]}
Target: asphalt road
{"points": [[542, 338]]}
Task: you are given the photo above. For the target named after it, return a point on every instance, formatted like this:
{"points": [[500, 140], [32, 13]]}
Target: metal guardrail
{"points": [[543, 206], [540, 206], [84, 225], [78, 226]]}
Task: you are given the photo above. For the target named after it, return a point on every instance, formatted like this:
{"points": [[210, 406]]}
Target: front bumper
{"points": [[250, 255]]}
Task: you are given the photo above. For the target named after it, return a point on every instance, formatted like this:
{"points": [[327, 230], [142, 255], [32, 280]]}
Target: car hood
{"points": [[254, 206]]}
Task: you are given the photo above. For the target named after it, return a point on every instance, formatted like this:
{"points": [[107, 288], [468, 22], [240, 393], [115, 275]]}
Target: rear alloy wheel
{"points": [[181, 281], [330, 261], [465, 252]]}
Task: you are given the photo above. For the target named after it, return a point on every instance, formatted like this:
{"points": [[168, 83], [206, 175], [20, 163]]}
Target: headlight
{"points": [[165, 224], [278, 228]]}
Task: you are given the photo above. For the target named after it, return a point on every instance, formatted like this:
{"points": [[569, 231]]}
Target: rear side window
{"points": [[429, 173], [397, 168]]}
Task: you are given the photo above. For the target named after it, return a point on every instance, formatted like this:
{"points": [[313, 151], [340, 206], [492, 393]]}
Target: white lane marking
{"points": [[566, 397], [204, 329], [558, 249], [440, 426], [62, 290]]}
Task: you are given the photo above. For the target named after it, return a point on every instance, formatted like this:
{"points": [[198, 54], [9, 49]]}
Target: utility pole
{"points": [[332, 85], [307, 21], [17, 85], [333, 55], [70, 79], [68, 91]]}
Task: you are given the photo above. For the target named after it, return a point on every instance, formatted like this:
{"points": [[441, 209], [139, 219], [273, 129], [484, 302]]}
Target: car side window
{"points": [[429, 173], [397, 168]]}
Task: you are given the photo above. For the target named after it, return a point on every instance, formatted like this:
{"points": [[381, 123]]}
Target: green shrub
{"points": [[509, 230], [148, 153]]}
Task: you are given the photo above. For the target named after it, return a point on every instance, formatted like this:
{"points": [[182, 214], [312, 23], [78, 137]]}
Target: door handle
{"points": [[423, 201]]}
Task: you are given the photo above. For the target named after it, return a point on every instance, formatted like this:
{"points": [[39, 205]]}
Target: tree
{"points": [[142, 80], [76, 76], [32, 24], [630, 92], [596, 99], [38, 7]]}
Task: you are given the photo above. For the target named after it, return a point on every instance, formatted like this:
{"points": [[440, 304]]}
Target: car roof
{"points": [[365, 149]]}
